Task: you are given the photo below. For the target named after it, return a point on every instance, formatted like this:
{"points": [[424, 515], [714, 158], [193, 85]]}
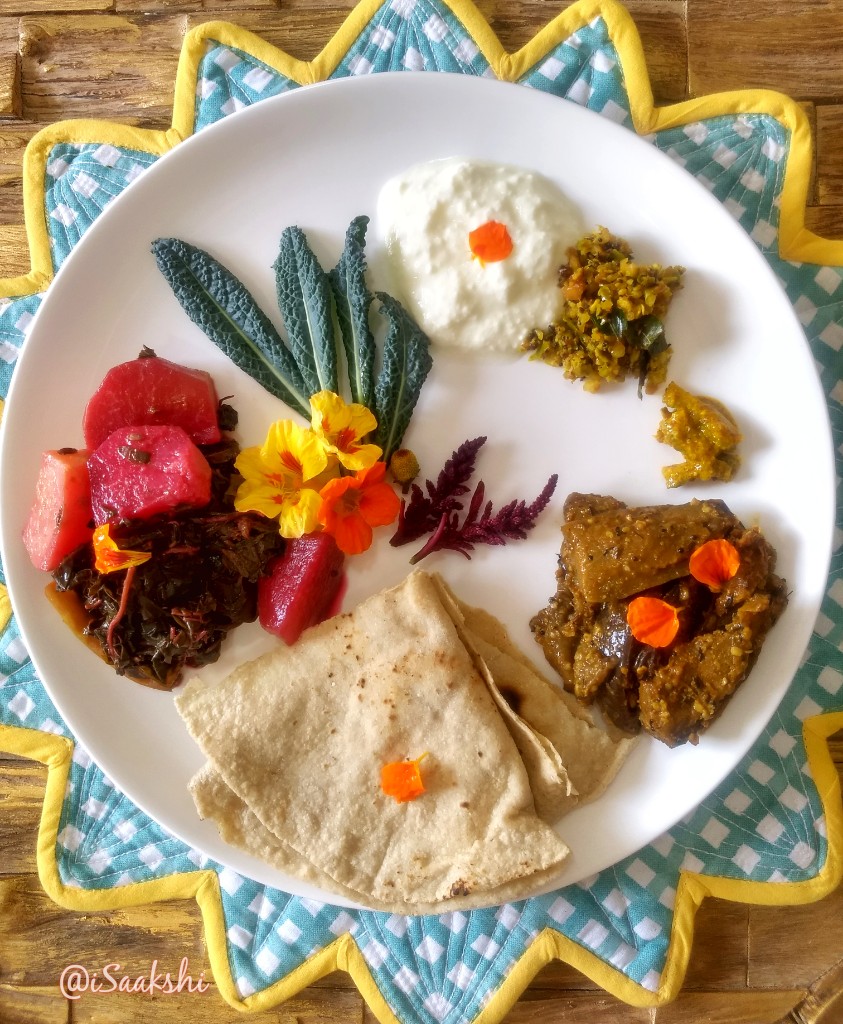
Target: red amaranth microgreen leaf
{"points": [[512, 522], [423, 512]]}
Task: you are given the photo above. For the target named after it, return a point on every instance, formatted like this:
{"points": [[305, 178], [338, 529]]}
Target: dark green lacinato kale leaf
{"points": [[306, 304], [353, 301], [406, 364], [224, 309]]}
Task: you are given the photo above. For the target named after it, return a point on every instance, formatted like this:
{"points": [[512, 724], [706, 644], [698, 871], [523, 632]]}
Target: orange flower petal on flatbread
{"points": [[402, 779]]}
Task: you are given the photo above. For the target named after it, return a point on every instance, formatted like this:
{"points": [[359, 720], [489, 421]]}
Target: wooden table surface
{"points": [[117, 59]]}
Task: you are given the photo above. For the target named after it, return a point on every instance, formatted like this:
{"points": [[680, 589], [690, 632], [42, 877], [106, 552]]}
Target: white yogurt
{"points": [[426, 215]]}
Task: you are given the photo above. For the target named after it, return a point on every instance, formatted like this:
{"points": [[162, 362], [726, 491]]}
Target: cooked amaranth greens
{"points": [[695, 564], [611, 324], [704, 433]]}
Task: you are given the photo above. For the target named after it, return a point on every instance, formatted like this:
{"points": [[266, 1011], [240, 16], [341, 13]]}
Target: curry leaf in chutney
{"points": [[306, 304], [353, 301], [220, 305], [406, 364]]}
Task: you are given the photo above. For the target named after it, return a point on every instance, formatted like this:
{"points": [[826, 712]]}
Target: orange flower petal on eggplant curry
{"points": [[402, 779], [652, 621], [490, 243], [352, 505], [108, 557], [715, 563]]}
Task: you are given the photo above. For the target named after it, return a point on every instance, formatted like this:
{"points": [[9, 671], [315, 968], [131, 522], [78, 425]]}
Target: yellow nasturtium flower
{"points": [[276, 475], [341, 428]]}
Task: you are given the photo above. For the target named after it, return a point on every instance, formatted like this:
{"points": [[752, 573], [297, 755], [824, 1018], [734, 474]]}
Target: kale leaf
{"points": [[306, 303], [406, 364], [353, 301], [217, 302]]}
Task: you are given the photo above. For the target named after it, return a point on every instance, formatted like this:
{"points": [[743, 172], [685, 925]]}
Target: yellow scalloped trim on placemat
{"points": [[796, 242], [56, 752]]}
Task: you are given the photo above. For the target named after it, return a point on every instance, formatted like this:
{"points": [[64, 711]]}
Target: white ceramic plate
{"points": [[317, 157]]}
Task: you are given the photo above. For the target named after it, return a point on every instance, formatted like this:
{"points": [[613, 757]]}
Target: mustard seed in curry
{"points": [[703, 431], [611, 322]]}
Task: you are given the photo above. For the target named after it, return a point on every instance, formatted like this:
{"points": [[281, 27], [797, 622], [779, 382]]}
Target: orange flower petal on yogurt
{"points": [[490, 243]]}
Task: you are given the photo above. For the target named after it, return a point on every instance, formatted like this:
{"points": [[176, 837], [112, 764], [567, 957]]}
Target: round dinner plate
{"points": [[317, 157]]}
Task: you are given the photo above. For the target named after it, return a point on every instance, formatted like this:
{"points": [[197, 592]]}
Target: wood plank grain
{"points": [[38, 938], [21, 7], [10, 84], [826, 221], [21, 800], [210, 9], [758, 1007], [829, 158], [13, 139], [302, 31], [572, 1008], [791, 946], [694, 1008], [661, 25], [99, 64], [312, 1006], [719, 956], [729, 51], [21, 1005], [14, 250]]}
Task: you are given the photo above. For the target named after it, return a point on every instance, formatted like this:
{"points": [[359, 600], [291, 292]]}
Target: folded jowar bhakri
{"points": [[295, 742]]}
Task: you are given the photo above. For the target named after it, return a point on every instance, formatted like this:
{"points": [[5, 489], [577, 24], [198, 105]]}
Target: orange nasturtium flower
{"points": [[108, 557], [490, 243], [352, 505], [652, 621], [402, 779], [715, 563], [276, 475], [341, 428]]}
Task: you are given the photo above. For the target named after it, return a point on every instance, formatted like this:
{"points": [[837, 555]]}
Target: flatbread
{"points": [[240, 827], [300, 735], [592, 757]]}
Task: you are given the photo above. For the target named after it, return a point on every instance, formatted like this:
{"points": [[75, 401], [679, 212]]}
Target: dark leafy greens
{"points": [[304, 298], [225, 310], [406, 364], [325, 315], [172, 612], [353, 301]]}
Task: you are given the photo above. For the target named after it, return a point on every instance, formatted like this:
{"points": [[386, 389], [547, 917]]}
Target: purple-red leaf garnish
{"points": [[423, 512], [439, 512]]}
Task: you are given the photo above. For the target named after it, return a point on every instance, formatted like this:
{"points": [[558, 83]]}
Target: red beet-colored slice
{"points": [[302, 586], [141, 471], [60, 518], [155, 392]]}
